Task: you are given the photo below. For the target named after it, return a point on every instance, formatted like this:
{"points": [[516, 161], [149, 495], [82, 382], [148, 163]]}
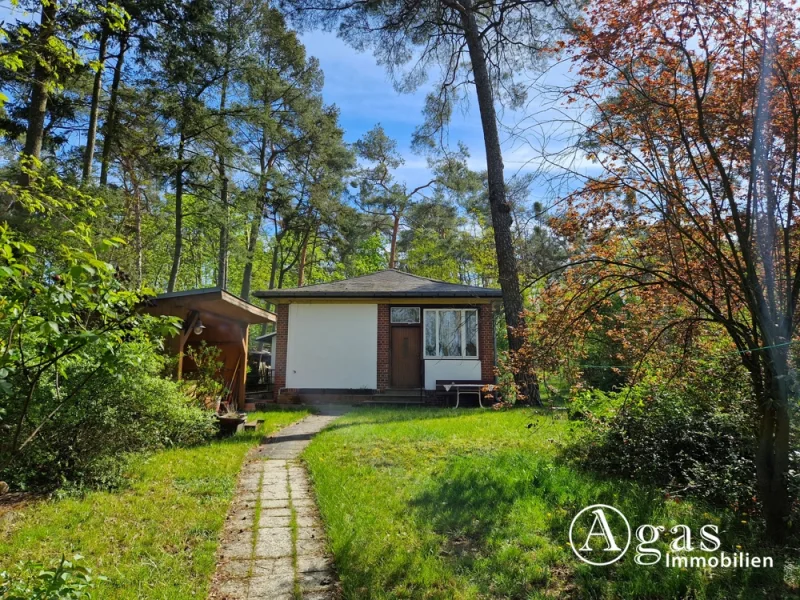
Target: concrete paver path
{"points": [[273, 545]]}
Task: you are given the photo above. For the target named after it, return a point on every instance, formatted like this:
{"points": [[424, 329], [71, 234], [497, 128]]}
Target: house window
{"points": [[451, 333], [405, 314]]}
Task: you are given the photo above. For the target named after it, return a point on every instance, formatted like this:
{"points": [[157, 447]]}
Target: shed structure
{"points": [[218, 318]]}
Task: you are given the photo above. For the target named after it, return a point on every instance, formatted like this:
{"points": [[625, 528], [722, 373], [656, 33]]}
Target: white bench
{"points": [[471, 388]]}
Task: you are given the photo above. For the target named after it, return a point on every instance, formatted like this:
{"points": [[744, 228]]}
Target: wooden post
{"points": [[188, 324], [241, 398]]}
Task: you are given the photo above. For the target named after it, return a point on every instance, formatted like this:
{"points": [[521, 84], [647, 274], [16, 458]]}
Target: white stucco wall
{"points": [[450, 369], [332, 346]]}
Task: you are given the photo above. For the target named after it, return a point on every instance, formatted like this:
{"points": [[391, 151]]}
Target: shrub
{"points": [[595, 404], [692, 436], [63, 580], [80, 383], [116, 411]]}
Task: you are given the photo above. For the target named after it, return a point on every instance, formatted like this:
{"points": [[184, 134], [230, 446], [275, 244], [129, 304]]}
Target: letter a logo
{"points": [[605, 532], [604, 550]]}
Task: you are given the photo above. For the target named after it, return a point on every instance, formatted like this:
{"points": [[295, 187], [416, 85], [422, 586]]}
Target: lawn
{"points": [[477, 504], [154, 539]]}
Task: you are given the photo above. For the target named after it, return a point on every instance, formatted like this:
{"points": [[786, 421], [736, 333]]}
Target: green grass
{"points": [[154, 539], [475, 504]]}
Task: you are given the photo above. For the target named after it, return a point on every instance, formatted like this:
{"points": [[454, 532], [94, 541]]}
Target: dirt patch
{"points": [[460, 546], [561, 584], [13, 501]]}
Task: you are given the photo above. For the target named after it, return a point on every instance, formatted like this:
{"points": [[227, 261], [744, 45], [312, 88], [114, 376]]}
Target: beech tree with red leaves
{"points": [[695, 122]]}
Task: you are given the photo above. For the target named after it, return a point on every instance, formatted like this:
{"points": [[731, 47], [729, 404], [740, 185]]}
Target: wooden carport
{"points": [[218, 318]]}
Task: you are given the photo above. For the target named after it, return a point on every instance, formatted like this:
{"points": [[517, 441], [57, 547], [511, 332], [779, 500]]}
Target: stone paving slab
{"points": [[273, 542], [237, 569], [258, 559], [279, 521], [290, 441], [278, 586], [310, 564], [272, 566], [268, 504], [231, 589]]}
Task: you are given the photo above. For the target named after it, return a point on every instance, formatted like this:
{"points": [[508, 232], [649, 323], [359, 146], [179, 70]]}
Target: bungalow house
{"points": [[385, 333]]}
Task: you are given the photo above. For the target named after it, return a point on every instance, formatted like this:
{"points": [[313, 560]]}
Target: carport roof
{"points": [[212, 300], [390, 283]]}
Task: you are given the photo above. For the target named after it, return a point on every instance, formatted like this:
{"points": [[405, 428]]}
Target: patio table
{"points": [[470, 388]]}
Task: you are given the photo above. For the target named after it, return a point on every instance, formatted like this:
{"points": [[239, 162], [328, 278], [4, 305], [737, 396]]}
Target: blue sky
{"points": [[365, 96]]}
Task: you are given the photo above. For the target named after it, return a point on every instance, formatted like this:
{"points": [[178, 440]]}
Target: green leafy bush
{"points": [[692, 436], [80, 372], [113, 412], [595, 404], [63, 580]]}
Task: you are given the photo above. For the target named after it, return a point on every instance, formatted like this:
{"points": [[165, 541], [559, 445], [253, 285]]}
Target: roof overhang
{"points": [[210, 300], [277, 296]]}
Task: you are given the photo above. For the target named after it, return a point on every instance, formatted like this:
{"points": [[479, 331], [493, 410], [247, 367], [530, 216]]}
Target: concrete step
{"points": [[393, 403], [402, 394]]}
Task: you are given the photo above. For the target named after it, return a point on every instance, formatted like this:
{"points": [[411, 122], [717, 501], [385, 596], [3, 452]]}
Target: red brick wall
{"points": [[486, 341], [383, 346], [282, 338]]}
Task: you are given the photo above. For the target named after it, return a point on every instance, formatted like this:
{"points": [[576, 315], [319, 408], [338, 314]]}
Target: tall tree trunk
{"points": [[274, 268], [137, 225], [222, 266], [178, 251], [42, 78], [280, 278], [310, 264], [110, 125], [247, 275], [255, 226], [94, 110], [393, 246], [138, 241], [772, 453], [301, 268], [500, 209], [222, 261]]}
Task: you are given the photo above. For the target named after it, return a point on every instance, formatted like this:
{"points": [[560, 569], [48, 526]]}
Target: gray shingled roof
{"points": [[384, 284]]}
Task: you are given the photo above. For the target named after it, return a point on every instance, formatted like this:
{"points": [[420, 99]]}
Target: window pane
{"points": [[405, 314], [449, 333], [471, 333], [430, 333]]}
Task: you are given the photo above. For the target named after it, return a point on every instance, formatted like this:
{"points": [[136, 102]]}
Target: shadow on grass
{"points": [[392, 574], [505, 519], [385, 415]]}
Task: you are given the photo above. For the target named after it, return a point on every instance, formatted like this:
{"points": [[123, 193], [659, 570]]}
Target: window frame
{"points": [[417, 322], [433, 312]]}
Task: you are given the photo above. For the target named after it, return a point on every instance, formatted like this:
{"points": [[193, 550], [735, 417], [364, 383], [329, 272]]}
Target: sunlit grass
{"points": [[477, 504], [155, 538]]}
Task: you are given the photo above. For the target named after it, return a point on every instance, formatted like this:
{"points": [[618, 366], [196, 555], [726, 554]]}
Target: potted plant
{"points": [[206, 384], [230, 421]]}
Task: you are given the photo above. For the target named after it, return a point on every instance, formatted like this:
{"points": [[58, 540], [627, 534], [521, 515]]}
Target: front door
{"points": [[406, 357]]}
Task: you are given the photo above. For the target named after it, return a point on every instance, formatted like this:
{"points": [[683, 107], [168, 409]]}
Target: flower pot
{"points": [[229, 425]]}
